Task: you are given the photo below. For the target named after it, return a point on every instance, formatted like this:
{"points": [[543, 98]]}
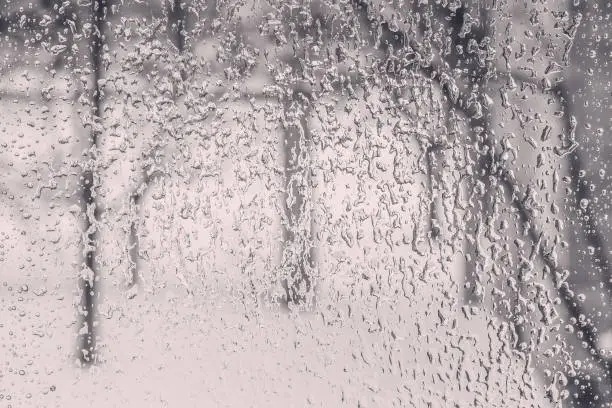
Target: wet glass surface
{"points": [[305, 203]]}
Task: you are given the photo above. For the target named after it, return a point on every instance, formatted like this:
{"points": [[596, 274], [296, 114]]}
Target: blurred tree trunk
{"points": [[488, 174], [87, 339], [297, 258]]}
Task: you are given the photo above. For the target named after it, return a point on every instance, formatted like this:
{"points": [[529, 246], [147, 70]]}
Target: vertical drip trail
{"points": [[176, 16]]}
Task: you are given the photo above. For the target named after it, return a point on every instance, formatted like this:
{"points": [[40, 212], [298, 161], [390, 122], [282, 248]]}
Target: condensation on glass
{"points": [[327, 203]]}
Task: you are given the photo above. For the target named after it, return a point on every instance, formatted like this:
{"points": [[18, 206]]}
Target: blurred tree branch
{"points": [[439, 72]]}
